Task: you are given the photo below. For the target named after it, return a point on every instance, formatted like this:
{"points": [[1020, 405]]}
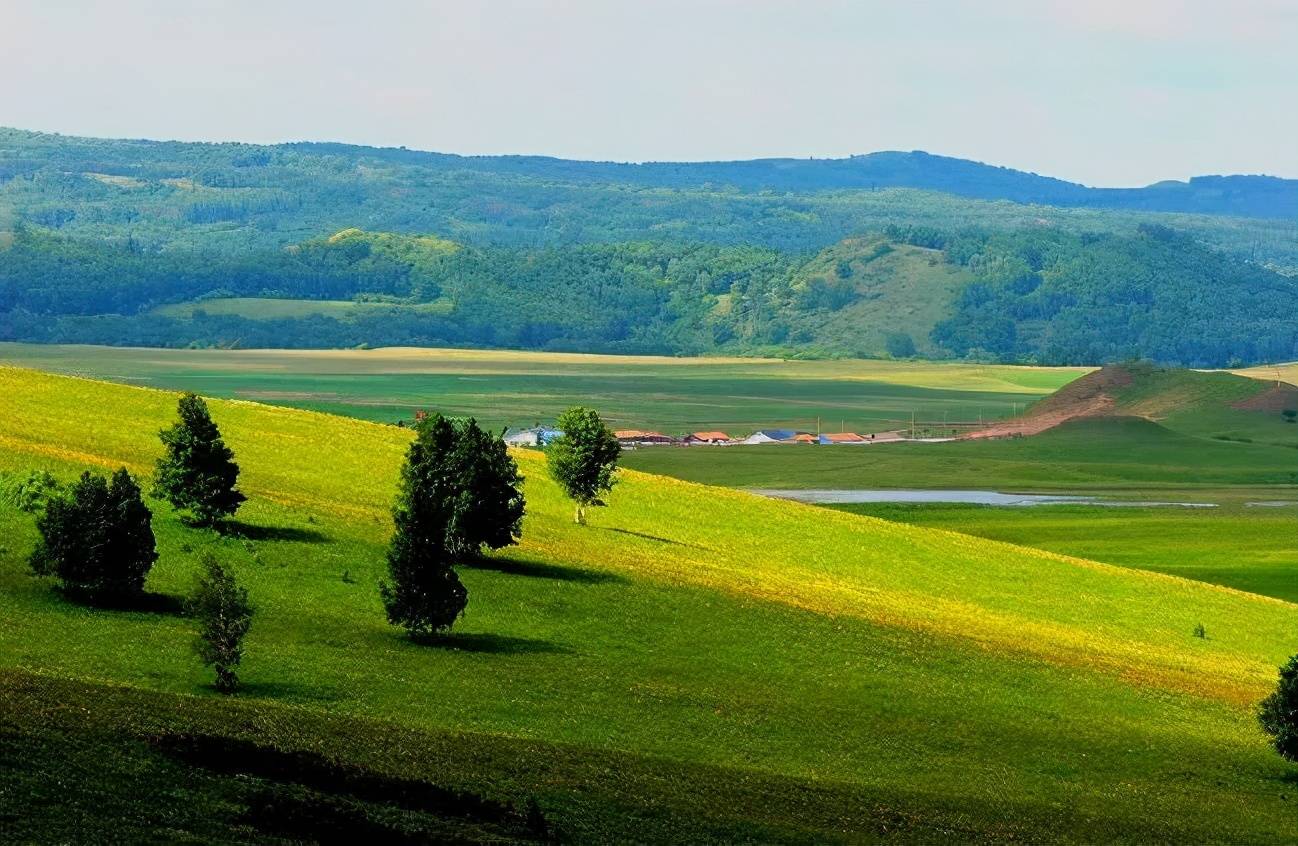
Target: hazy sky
{"points": [[1107, 92]]}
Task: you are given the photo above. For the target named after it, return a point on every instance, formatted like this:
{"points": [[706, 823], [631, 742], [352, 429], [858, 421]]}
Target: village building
{"points": [[772, 436], [537, 436], [844, 438], [637, 437], [712, 438]]}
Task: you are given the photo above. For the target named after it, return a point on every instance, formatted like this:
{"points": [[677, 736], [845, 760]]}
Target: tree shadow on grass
{"points": [[491, 644], [287, 690], [649, 537], [146, 603], [240, 529], [542, 570]]}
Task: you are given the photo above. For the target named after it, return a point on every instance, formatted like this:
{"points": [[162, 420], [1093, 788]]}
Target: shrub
{"points": [[583, 460], [459, 493], [197, 474], [31, 493], [97, 539], [224, 616], [1278, 713]]}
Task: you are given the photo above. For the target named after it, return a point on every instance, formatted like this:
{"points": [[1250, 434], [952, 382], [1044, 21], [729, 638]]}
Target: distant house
{"points": [[638, 437], [708, 438], [537, 436], [844, 438], [772, 436]]}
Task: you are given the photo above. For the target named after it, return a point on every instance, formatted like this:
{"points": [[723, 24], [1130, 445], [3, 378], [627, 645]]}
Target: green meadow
{"points": [[697, 665], [1248, 547], [504, 388]]}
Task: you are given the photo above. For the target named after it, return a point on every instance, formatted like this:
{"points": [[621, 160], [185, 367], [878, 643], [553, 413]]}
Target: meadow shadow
{"points": [[491, 644], [542, 570], [646, 536], [146, 603], [249, 531], [287, 690]]}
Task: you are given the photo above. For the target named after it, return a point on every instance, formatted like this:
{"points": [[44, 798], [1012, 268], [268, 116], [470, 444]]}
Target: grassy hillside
{"points": [[505, 388], [1246, 546], [889, 289], [698, 664]]}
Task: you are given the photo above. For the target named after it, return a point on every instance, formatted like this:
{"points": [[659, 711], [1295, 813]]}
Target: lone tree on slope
{"points": [[224, 616], [197, 474], [1278, 713], [459, 493], [584, 459], [97, 539]]}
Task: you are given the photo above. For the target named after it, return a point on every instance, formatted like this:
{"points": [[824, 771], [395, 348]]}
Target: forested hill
{"points": [[1247, 196], [167, 243]]}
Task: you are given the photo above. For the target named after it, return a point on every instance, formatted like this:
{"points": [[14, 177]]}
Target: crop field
{"points": [[697, 664], [505, 388]]}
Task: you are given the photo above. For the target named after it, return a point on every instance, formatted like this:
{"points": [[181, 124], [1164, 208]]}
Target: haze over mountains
{"points": [[171, 243]]}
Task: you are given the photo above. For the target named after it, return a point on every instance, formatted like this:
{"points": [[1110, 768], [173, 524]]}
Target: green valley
{"points": [[696, 641]]}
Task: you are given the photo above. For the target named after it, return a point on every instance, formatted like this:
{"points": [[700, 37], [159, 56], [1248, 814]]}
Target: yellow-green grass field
{"points": [[699, 664], [506, 388]]}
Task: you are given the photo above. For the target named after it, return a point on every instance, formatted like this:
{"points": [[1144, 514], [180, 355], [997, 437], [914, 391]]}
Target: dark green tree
{"points": [[1278, 713], [584, 460], [221, 607], [459, 493], [197, 474], [899, 345], [97, 539]]}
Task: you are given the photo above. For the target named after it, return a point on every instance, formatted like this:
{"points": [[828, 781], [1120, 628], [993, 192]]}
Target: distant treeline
{"points": [[1038, 294]]}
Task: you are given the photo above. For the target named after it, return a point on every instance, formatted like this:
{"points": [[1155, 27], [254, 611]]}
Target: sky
{"points": [[1104, 92]]}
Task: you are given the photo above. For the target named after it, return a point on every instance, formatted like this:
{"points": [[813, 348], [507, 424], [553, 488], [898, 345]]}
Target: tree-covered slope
{"points": [[697, 664], [98, 237]]}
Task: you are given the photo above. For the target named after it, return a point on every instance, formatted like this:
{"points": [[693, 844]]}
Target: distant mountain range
{"points": [[1245, 196]]}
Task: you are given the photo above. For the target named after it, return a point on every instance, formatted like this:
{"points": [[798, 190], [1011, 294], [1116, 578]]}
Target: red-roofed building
{"points": [[843, 438]]}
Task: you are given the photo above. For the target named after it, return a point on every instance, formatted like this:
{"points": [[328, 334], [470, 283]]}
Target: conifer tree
{"points": [[197, 474], [584, 459], [97, 539], [459, 493]]}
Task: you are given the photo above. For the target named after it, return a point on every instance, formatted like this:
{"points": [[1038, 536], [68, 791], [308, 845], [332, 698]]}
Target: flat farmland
{"points": [[505, 388]]}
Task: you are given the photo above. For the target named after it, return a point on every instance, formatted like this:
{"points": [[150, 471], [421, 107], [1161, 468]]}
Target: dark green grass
{"points": [[1247, 548], [1084, 454]]}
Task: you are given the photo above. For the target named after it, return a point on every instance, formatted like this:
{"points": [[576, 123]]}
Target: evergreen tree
{"points": [[584, 459], [198, 473], [97, 539], [459, 493], [1278, 713], [224, 616]]}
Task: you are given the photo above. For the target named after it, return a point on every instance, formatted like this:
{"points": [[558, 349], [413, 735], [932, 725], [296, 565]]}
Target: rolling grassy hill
{"points": [[699, 664]]}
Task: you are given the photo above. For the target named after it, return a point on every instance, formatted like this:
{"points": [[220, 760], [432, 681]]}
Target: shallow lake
{"points": [[971, 497]]}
